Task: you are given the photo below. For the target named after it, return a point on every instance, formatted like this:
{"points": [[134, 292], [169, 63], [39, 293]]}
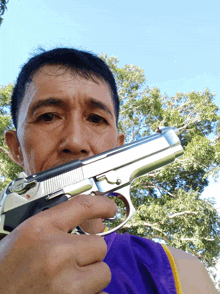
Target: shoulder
{"points": [[193, 275]]}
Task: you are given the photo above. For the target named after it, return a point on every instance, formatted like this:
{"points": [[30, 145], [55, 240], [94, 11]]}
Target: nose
{"points": [[74, 139]]}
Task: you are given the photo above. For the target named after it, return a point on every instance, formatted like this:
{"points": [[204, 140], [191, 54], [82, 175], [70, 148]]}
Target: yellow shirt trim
{"points": [[174, 269]]}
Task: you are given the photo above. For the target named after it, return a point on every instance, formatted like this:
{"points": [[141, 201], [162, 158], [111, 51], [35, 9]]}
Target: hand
{"points": [[39, 256]]}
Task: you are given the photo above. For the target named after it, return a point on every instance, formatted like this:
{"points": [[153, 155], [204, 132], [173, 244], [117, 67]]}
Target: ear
{"points": [[120, 140], [13, 144]]}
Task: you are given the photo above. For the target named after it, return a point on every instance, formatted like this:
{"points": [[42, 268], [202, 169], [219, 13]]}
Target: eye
{"points": [[47, 117], [96, 119]]}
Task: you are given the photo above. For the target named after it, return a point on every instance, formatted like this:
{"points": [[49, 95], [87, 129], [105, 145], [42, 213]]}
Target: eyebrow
{"points": [[45, 102], [96, 104], [91, 102]]}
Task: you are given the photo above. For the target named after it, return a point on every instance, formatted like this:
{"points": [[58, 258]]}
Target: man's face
{"points": [[63, 117]]}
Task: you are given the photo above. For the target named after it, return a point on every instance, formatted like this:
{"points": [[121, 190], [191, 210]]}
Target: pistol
{"points": [[110, 172]]}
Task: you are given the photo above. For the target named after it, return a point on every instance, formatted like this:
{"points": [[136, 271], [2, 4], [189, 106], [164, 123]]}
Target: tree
{"points": [[3, 7], [168, 201], [8, 169]]}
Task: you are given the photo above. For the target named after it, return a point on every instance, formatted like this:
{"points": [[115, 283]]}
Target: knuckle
{"points": [[97, 203], [32, 227], [59, 257], [85, 203], [107, 272], [100, 242]]}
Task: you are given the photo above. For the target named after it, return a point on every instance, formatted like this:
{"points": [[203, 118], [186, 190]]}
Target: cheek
{"points": [[36, 150], [31, 142], [106, 142]]}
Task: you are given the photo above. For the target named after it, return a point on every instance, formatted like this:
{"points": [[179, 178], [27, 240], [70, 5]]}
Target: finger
{"points": [[81, 243], [98, 276], [73, 251], [89, 279], [93, 226], [70, 214]]}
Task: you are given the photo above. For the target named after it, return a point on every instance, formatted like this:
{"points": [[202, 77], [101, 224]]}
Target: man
{"points": [[64, 107]]}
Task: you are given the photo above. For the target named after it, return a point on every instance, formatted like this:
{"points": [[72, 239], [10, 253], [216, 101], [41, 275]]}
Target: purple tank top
{"points": [[138, 266]]}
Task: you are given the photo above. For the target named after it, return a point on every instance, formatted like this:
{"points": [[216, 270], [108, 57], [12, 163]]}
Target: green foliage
{"points": [[8, 169], [168, 201], [140, 106], [2, 8]]}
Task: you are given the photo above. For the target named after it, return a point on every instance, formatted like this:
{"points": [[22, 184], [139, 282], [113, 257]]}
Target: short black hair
{"points": [[83, 63]]}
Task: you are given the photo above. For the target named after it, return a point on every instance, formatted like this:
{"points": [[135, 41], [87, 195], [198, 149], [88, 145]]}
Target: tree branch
{"points": [[128, 226], [196, 239], [158, 188], [158, 237], [182, 213]]}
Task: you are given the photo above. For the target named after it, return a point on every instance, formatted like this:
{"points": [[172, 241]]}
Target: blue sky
{"points": [[176, 42]]}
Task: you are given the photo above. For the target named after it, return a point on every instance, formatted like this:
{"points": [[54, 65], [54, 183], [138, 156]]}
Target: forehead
{"points": [[64, 77], [57, 81]]}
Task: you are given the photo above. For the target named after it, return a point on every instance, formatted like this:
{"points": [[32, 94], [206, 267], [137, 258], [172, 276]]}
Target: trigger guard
{"points": [[130, 210], [79, 231], [111, 219]]}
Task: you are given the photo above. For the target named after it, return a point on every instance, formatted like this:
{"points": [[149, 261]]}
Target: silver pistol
{"points": [[111, 172]]}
